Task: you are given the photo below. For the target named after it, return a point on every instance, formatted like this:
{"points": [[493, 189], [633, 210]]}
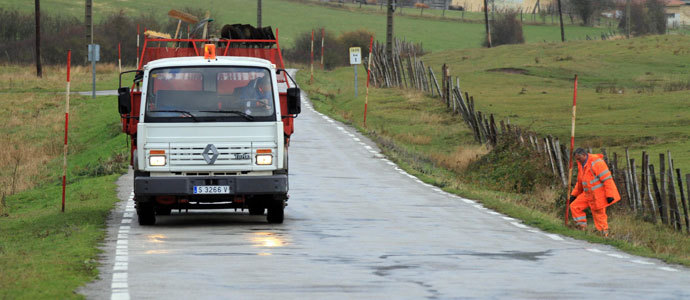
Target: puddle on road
{"points": [[519, 255]]}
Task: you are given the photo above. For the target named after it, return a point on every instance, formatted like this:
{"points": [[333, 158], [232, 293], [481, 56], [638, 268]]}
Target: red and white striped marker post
{"points": [[312, 57], [366, 97], [64, 156], [119, 57], [570, 164], [322, 44]]}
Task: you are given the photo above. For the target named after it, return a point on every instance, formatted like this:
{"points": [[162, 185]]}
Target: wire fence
{"points": [[656, 195]]}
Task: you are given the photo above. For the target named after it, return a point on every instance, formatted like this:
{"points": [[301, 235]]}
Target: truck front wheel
{"points": [[276, 212], [146, 213]]}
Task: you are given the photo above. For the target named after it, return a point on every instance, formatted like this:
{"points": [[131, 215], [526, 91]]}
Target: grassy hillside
{"points": [[46, 254], [632, 92], [289, 16], [419, 134]]}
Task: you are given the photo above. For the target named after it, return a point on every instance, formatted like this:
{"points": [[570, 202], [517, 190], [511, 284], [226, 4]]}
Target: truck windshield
{"points": [[210, 94]]}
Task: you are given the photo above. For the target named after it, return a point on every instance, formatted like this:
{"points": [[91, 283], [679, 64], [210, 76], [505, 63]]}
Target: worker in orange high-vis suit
{"points": [[594, 189]]}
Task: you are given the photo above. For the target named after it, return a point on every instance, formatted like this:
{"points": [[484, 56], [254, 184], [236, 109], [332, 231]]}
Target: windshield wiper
{"points": [[178, 111], [237, 112]]}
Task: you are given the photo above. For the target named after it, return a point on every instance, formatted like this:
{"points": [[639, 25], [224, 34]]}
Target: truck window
{"points": [[210, 94]]}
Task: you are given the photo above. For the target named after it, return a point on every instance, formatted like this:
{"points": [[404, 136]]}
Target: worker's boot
{"points": [[605, 233]]}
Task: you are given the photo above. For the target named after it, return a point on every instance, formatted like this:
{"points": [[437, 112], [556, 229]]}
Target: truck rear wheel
{"points": [[276, 212], [146, 213], [256, 211]]}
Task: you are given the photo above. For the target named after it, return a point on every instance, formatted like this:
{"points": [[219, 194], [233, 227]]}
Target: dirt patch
{"points": [[510, 71]]}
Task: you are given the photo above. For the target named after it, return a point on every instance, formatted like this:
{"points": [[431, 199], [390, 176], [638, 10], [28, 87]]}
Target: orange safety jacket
{"points": [[596, 181]]}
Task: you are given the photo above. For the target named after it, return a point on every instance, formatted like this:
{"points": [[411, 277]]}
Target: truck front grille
{"points": [[190, 155]]}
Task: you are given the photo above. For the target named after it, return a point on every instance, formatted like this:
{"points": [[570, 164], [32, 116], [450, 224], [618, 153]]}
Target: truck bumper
{"points": [[184, 185]]}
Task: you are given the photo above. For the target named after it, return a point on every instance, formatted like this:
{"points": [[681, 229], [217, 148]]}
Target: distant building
{"points": [[524, 5], [678, 13]]}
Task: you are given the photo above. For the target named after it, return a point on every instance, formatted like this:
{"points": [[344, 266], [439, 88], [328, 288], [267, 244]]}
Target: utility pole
{"points": [[486, 22], [389, 30], [560, 16], [627, 18], [88, 22], [39, 69], [258, 13]]}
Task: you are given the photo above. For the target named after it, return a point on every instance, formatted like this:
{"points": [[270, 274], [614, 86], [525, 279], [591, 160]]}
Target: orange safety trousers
{"points": [[578, 207]]}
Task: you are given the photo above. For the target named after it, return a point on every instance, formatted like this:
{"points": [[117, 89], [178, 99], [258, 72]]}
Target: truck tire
{"points": [[146, 214], [163, 211], [256, 211], [276, 212]]}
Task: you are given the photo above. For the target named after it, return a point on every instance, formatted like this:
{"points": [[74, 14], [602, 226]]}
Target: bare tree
{"points": [[39, 69], [486, 22]]}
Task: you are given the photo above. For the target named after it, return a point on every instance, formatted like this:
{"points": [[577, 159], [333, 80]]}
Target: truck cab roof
{"points": [[218, 61]]}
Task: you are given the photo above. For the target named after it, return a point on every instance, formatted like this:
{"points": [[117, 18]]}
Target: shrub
{"points": [[506, 29], [646, 18], [61, 33], [336, 49]]}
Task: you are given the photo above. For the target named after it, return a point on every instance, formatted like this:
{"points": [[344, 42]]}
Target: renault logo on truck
{"points": [[210, 154]]}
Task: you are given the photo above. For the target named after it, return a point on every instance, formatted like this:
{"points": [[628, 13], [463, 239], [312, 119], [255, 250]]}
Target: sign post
{"points": [[94, 56], [355, 59]]}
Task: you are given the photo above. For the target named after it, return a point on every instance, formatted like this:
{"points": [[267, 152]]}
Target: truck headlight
{"points": [[264, 159], [157, 160]]}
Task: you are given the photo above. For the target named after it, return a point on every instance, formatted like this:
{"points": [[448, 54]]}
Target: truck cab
{"points": [[209, 132]]}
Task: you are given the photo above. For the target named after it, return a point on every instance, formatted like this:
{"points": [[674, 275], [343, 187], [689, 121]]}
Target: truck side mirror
{"points": [[124, 103], [293, 101]]}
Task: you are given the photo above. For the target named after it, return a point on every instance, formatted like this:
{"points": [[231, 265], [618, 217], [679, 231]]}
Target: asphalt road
{"points": [[359, 227]]}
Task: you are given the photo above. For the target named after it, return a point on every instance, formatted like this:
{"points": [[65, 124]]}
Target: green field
{"points": [[632, 93], [289, 17], [626, 95], [46, 254]]}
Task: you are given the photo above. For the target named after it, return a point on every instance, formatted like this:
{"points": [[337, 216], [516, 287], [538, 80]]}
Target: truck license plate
{"points": [[211, 189]]}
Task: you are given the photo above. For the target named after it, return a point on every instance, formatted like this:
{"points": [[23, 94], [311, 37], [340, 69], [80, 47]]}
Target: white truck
{"points": [[209, 132]]}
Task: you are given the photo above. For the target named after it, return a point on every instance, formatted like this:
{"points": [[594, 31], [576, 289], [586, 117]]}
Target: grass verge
{"points": [[45, 253], [420, 135]]}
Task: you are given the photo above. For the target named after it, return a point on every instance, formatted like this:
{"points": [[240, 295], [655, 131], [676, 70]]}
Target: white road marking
{"points": [[641, 262], [468, 201], [533, 231], [508, 218], [340, 128], [126, 220], [668, 269], [390, 163], [118, 285], [119, 276], [368, 147], [617, 255], [595, 250], [122, 236], [120, 266], [494, 213], [120, 296], [127, 215], [554, 236], [516, 224], [122, 258], [356, 139]]}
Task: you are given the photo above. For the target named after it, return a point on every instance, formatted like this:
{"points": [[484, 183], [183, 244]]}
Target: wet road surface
{"points": [[359, 227]]}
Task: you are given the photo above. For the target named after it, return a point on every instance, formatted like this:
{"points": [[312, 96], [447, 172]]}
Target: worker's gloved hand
{"points": [[572, 198], [609, 200]]}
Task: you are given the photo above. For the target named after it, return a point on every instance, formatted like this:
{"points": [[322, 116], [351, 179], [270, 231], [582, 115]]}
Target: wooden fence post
{"points": [[657, 192], [682, 200]]}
